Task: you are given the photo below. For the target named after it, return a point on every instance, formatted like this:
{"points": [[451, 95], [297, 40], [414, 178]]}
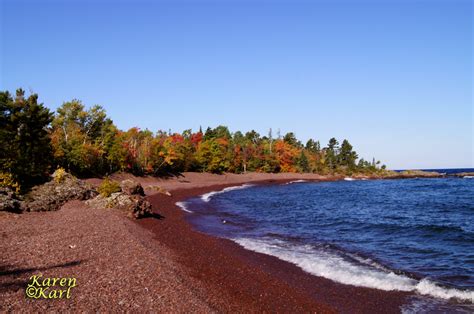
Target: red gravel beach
{"points": [[162, 263]]}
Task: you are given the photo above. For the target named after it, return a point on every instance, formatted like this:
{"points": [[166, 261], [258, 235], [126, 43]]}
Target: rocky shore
{"points": [[160, 263], [464, 174]]}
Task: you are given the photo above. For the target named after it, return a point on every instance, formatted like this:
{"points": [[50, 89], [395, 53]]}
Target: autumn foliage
{"points": [[85, 142]]}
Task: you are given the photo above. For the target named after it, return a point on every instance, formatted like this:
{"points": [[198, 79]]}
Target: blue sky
{"points": [[393, 77]]}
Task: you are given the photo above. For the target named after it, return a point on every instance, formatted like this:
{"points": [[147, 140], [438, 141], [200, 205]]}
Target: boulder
{"points": [[136, 206], [52, 195], [141, 209], [99, 201], [8, 200], [131, 187]]}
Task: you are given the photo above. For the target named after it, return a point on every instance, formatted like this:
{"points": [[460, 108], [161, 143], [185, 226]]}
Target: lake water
{"points": [[408, 235]]}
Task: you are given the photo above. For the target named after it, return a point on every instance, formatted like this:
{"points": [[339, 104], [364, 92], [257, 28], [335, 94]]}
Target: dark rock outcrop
{"points": [[131, 200], [9, 201], [52, 195], [141, 208]]}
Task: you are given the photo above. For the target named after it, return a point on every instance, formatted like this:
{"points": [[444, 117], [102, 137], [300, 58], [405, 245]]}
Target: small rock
{"points": [[131, 187]]}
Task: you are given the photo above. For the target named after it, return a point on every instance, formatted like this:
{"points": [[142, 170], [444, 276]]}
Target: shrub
{"points": [[60, 175], [107, 187], [7, 181]]}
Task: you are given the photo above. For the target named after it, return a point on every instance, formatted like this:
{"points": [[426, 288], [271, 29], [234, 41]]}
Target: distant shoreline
{"points": [[201, 179]]}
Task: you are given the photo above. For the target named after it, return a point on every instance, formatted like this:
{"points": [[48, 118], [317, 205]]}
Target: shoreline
{"points": [[237, 278], [166, 263]]}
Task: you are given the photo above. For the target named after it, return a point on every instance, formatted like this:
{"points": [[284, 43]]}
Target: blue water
{"points": [[409, 235]]}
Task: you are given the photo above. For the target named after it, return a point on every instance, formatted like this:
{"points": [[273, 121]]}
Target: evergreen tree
{"points": [[313, 146], [347, 156], [331, 153], [210, 134], [24, 138], [302, 162], [290, 138]]}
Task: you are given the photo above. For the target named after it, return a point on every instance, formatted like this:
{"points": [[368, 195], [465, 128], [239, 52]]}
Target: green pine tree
{"points": [[24, 138]]}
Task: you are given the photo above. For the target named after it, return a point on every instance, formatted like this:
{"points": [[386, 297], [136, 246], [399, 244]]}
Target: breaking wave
{"points": [[338, 267], [184, 207], [296, 181], [207, 197]]}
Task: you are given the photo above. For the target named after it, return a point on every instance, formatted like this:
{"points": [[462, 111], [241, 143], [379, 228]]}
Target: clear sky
{"points": [[393, 77]]}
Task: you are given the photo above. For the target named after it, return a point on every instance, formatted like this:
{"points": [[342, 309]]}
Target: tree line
{"points": [[85, 142]]}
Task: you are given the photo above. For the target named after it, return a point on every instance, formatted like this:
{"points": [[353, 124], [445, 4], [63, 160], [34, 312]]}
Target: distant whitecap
{"points": [[296, 181]]}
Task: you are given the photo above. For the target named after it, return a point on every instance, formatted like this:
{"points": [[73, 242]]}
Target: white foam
{"points": [[207, 197], [296, 181], [430, 288], [349, 179], [332, 266], [183, 206], [468, 177]]}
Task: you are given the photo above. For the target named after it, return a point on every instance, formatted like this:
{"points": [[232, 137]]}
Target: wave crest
{"points": [[337, 268], [184, 207], [207, 196], [295, 181]]}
